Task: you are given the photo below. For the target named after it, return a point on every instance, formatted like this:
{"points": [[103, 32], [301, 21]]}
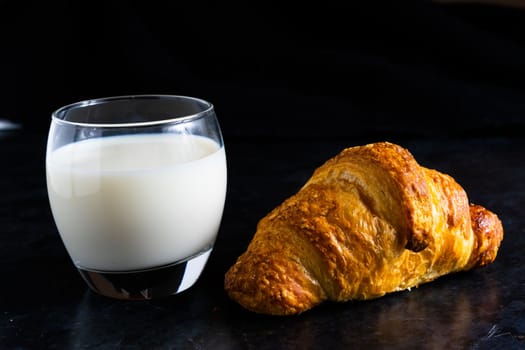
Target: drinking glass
{"points": [[137, 186]]}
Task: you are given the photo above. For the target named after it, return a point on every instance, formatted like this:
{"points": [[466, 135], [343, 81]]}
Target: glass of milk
{"points": [[137, 186]]}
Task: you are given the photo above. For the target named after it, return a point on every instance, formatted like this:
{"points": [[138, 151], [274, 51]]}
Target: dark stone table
{"points": [[44, 304]]}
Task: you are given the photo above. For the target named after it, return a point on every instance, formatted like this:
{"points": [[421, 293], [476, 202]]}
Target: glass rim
{"points": [[55, 115]]}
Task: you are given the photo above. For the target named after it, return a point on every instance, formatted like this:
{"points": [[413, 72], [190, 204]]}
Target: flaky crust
{"points": [[369, 221]]}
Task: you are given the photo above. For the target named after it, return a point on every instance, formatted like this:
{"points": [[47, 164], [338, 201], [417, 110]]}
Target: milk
{"points": [[135, 202]]}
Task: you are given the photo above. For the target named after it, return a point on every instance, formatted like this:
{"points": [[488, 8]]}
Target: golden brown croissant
{"points": [[369, 221]]}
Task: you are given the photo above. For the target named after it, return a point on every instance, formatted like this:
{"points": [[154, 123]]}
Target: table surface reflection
{"points": [[45, 304]]}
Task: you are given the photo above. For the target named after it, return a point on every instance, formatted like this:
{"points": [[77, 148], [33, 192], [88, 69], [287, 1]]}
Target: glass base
{"points": [[146, 284]]}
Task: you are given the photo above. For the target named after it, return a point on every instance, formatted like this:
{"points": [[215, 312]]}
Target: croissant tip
{"points": [[488, 230]]}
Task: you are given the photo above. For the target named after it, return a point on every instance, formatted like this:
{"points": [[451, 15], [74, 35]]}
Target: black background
{"points": [[308, 71], [292, 86]]}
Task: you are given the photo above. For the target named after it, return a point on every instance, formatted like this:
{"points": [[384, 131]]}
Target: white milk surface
{"points": [[134, 202]]}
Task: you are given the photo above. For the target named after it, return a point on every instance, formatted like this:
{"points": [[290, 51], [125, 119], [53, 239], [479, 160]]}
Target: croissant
{"points": [[369, 221]]}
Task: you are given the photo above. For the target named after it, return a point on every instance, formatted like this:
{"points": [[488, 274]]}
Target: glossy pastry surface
{"points": [[369, 221]]}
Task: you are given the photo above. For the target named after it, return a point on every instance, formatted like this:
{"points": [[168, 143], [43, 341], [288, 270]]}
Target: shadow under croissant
{"points": [[438, 315]]}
